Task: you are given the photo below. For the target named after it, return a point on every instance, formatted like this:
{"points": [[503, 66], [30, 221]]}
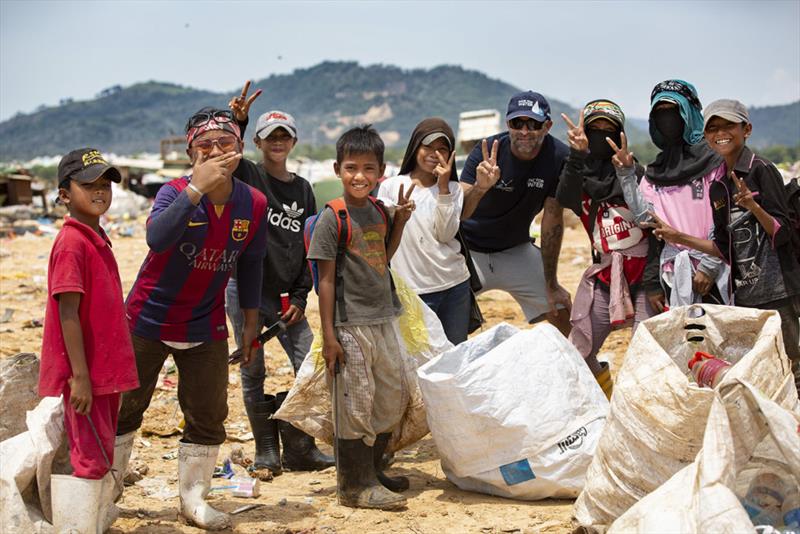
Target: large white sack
{"points": [[421, 337], [26, 462], [514, 413], [658, 414], [745, 431]]}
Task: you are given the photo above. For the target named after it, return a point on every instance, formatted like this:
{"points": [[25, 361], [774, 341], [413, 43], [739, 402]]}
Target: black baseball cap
{"points": [[85, 165]]}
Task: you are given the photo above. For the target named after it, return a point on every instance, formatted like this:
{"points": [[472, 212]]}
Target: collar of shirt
{"points": [[100, 240], [745, 161]]}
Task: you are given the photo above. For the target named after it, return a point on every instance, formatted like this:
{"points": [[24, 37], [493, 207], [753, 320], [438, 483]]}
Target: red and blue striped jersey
{"points": [[179, 293]]}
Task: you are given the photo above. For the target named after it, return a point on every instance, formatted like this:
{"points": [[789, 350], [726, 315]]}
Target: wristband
{"points": [[193, 188]]}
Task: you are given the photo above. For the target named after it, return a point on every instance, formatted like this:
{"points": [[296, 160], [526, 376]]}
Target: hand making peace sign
{"points": [[404, 205], [576, 135], [622, 158], [743, 196], [443, 171], [487, 173], [240, 105]]}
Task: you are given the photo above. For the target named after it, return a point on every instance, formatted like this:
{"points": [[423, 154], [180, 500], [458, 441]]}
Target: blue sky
{"points": [[570, 50]]}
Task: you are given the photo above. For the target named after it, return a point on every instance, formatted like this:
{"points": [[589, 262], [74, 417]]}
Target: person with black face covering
{"points": [[676, 187], [610, 293]]}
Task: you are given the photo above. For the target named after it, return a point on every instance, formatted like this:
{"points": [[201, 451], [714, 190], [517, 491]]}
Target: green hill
{"points": [[326, 99], [776, 125]]}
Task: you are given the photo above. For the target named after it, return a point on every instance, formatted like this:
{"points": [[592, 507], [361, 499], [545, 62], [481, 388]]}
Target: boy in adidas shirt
{"points": [[290, 201]]}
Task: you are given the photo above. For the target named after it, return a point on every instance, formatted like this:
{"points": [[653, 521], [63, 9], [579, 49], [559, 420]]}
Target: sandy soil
{"points": [[292, 502]]}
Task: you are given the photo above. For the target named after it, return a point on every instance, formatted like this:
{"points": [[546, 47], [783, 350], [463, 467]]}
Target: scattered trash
{"points": [[145, 443], [309, 500], [170, 455], [238, 432], [708, 370], [263, 474], [282, 502], [238, 457], [127, 204], [246, 508], [245, 487], [7, 315], [136, 472], [225, 470], [33, 323], [158, 488]]}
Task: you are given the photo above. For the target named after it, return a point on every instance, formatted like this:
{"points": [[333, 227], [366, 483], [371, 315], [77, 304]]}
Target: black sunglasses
{"points": [[531, 124], [203, 117], [675, 86]]}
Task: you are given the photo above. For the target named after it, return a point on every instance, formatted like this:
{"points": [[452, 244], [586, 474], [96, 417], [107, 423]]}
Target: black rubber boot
{"points": [[357, 485], [265, 432], [395, 484], [300, 452]]}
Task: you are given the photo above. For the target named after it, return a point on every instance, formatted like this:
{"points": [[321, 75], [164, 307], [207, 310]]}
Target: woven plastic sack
{"points": [[420, 336], [745, 432], [659, 415], [514, 413], [26, 462]]}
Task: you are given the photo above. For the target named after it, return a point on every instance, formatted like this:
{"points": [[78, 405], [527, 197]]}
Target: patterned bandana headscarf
{"points": [[605, 109], [599, 175], [211, 119], [679, 165]]}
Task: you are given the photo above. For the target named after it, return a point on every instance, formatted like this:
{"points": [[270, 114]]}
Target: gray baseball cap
{"points": [[271, 120], [725, 108]]}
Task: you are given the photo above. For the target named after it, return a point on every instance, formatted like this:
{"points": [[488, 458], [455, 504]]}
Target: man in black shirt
{"points": [[507, 181]]}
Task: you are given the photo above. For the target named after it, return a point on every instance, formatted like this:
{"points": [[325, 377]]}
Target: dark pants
{"points": [[202, 388], [296, 341], [452, 307], [789, 310]]}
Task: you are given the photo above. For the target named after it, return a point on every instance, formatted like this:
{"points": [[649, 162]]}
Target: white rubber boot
{"points": [[108, 511], [123, 446], [75, 504], [195, 467]]}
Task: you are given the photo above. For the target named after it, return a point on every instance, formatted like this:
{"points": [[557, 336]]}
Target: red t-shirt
{"points": [[82, 262]]}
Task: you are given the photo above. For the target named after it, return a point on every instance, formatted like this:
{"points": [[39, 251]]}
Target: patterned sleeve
{"points": [[167, 222]]}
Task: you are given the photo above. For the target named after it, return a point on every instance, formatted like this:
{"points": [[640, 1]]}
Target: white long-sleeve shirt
{"points": [[429, 256]]}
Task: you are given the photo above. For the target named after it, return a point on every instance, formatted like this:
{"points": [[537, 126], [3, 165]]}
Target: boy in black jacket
{"points": [[752, 229], [290, 200]]}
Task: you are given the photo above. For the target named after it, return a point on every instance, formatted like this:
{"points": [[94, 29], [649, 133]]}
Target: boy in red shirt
{"points": [[89, 366]]}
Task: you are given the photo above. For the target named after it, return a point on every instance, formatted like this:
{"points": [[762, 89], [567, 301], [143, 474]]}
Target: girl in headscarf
{"points": [[429, 257], [610, 293], [676, 188]]}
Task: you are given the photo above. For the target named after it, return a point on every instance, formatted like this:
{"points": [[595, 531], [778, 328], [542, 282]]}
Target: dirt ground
{"points": [[292, 502]]}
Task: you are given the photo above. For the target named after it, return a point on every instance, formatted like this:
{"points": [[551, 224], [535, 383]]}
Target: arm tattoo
{"points": [[552, 234]]}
